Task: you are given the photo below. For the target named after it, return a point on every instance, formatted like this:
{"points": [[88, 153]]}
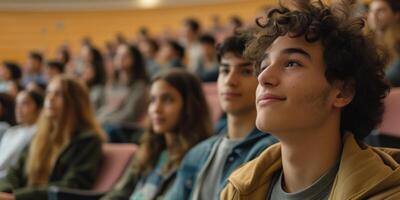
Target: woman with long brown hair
{"points": [[179, 119], [121, 104], [66, 149]]}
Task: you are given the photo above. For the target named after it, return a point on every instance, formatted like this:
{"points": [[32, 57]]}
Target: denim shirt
{"points": [[197, 158]]}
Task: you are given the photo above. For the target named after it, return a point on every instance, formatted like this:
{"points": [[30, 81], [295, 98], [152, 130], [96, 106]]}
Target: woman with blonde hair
{"points": [[179, 119], [66, 149]]}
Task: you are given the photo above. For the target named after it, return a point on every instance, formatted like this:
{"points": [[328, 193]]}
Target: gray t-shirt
{"points": [[209, 189], [319, 190]]}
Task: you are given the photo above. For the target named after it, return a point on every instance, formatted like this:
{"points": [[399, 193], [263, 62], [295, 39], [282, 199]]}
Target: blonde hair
{"points": [[54, 134]]}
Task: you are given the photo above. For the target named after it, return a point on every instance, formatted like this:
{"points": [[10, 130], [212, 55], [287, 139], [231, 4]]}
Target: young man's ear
{"points": [[345, 93]]}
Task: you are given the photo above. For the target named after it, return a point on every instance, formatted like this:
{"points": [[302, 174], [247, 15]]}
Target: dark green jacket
{"points": [[76, 167]]}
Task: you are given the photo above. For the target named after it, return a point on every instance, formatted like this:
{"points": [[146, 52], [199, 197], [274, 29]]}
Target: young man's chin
{"points": [[232, 109], [265, 125]]}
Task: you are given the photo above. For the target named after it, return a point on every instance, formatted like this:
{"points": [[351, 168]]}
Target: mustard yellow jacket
{"points": [[365, 172]]}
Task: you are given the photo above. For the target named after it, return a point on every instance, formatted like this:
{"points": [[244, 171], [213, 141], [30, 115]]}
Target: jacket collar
{"points": [[254, 134], [363, 171]]}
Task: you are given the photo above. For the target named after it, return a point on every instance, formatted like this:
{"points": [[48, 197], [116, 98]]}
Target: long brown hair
{"points": [[194, 123], [54, 134]]}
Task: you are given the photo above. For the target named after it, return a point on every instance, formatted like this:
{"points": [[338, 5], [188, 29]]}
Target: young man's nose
{"points": [[269, 76], [232, 78]]}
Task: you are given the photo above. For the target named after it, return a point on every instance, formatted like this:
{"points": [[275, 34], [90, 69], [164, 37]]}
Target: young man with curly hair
{"points": [[320, 92]]}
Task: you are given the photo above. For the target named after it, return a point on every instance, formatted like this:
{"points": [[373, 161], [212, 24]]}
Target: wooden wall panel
{"points": [[22, 31]]}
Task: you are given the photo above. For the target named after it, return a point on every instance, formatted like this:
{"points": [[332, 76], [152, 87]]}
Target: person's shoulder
{"points": [[205, 144], [260, 139], [202, 148], [267, 139], [87, 135], [258, 171]]}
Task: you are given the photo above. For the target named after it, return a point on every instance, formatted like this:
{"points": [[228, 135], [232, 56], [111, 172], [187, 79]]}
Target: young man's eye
{"points": [[223, 71], [247, 72], [168, 99], [293, 64], [262, 68]]}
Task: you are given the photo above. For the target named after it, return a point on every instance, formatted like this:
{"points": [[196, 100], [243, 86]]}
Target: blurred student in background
{"points": [[93, 74], [10, 75], [33, 71], [171, 55], [27, 110], [149, 48], [53, 69], [126, 97], [7, 114], [207, 66], [73, 158], [191, 30]]}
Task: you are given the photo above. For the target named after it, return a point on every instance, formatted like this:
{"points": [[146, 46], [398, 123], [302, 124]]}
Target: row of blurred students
{"points": [[72, 159], [179, 119], [11, 75], [107, 90]]}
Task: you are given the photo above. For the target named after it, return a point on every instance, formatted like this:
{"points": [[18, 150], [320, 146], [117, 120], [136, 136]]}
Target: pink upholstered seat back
{"points": [[116, 158], [391, 119], [211, 92]]}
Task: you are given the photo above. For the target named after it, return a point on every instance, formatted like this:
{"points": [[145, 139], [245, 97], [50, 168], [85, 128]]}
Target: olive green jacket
{"points": [[76, 167]]}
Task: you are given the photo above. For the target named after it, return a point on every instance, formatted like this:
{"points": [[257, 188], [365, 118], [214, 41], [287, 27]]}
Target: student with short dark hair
{"points": [[191, 30], [10, 75], [170, 55], [207, 66], [34, 69], [53, 69], [320, 92], [206, 167]]}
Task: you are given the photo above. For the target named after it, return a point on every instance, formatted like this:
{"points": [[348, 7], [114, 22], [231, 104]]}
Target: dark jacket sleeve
{"points": [[125, 186], [76, 167], [15, 175]]}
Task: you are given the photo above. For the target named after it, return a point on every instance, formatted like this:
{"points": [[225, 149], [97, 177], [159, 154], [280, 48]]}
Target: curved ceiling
{"points": [[98, 4]]}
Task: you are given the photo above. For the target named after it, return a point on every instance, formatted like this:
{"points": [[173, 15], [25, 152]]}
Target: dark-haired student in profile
{"points": [[206, 167]]}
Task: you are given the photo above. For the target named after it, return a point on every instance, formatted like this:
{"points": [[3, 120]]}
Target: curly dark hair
{"points": [[350, 56]]}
